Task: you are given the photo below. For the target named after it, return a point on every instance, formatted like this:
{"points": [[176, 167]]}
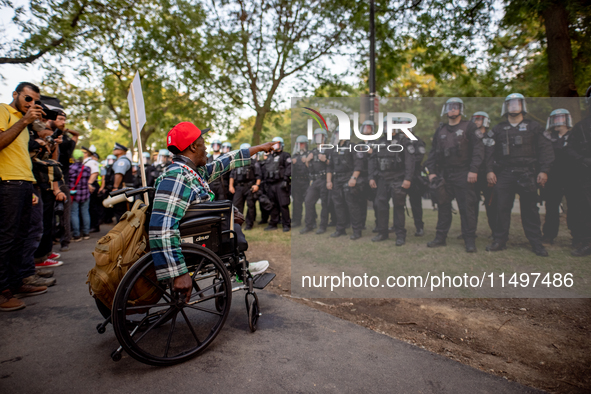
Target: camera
{"points": [[49, 114]]}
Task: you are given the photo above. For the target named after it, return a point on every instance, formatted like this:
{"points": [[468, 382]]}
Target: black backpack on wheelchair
{"points": [[171, 330]]}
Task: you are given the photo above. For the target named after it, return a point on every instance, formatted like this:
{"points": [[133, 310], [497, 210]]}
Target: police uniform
{"points": [[347, 201], [578, 149], [277, 176], [124, 167], [317, 167], [108, 181], [244, 178], [263, 192], [417, 186], [519, 153], [391, 163], [556, 186], [217, 186], [482, 188], [455, 151], [300, 182]]}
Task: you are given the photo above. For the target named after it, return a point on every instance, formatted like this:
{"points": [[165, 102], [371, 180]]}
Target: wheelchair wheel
{"points": [[252, 307], [163, 329]]}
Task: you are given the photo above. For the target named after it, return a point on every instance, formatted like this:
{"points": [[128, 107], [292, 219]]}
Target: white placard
{"points": [[135, 99]]}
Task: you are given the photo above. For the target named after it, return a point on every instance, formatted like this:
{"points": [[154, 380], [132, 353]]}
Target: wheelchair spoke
{"points": [[131, 308], [205, 310], [191, 327], [172, 324], [200, 293], [164, 293], [168, 312], [209, 297]]}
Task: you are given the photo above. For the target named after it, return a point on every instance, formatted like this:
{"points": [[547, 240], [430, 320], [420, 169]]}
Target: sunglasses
{"points": [[28, 98]]}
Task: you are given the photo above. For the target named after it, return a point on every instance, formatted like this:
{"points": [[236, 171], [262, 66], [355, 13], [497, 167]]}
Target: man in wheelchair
{"points": [[183, 182]]}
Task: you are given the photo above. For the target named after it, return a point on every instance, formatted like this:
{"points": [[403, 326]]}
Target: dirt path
{"points": [[544, 343]]}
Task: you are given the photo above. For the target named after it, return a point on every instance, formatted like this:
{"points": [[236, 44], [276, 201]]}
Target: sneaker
{"points": [[29, 291], [65, 248], [49, 263], [76, 239], [86, 236], [54, 256], [44, 272], [36, 280], [258, 268], [10, 303]]}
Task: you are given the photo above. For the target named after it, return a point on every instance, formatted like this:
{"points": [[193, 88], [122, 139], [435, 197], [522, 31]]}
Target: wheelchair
{"points": [[153, 323]]}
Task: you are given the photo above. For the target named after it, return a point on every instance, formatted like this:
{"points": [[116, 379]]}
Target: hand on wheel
{"points": [[184, 285]]}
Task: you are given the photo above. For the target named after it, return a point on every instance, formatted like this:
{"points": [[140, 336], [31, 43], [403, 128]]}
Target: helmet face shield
{"points": [[453, 108], [514, 104], [480, 121], [561, 118], [367, 129], [215, 146], [319, 138]]}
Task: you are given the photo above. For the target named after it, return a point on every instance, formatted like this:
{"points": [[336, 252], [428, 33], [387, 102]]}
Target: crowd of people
{"points": [[52, 193]]}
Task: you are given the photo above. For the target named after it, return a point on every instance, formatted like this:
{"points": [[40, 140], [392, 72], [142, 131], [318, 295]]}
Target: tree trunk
{"points": [[560, 57], [258, 126]]}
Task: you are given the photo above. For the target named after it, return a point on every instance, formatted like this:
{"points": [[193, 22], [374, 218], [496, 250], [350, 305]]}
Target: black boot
{"points": [[338, 233], [496, 246], [356, 235], [379, 238], [470, 245], [437, 242], [375, 230], [271, 227], [400, 241], [321, 230], [540, 251], [582, 251], [420, 232], [306, 230]]}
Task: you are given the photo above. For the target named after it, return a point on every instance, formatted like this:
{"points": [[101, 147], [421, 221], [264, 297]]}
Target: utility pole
{"points": [[372, 61]]}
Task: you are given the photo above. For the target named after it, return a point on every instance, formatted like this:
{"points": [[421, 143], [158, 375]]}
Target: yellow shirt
{"points": [[15, 162]]}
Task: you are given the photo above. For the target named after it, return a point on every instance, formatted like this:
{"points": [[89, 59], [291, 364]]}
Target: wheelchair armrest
{"points": [[193, 224], [120, 191], [140, 190]]}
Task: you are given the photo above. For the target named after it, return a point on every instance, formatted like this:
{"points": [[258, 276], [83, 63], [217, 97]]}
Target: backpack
{"points": [[115, 254]]}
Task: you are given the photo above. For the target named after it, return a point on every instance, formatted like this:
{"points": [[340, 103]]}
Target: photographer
{"points": [[66, 148], [16, 193]]}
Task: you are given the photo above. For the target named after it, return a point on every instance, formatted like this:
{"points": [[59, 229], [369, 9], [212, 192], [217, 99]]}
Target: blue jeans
{"points": [[16, 198], [80, 209]]}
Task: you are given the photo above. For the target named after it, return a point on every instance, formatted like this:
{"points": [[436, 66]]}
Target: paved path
{"points": [[52, 347]]}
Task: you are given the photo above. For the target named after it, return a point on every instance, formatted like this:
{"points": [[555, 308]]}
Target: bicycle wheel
{"points": [[170, 330]]}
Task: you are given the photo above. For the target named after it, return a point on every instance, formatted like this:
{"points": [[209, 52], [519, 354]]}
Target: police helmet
{"points": [[484, 116], [320, 135], [451, 104], [399, 120], [163, 152], [367, 127], [111, 157], [227, 145], [216, 142], [301, 139], [511, 101], [146, 155], [559, 117], [246, 145], [279, 139], [334, 140]]}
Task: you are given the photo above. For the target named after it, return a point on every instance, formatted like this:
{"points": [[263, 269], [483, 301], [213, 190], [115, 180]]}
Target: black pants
{"points": [[490, 201], [280, 199], [416, 205], [552, 193], [95, 209], [217, 187], [579, 210], [299, 186], [457, 186], [347, 202], [390, 187], [16, 199], [317, 190], [243, 194], [522, 182], [46, 243]]}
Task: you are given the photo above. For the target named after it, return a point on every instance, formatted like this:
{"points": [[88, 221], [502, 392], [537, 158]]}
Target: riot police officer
{"points": [[243, 184], [277, 177], [317, 163], [300, 180], [482, 121], [217, 186], [262, 194], [391, 169], [345, 167], [123, 169], [520, 151], [456, 155], [107, 186], [558, 126], [578, 149]]}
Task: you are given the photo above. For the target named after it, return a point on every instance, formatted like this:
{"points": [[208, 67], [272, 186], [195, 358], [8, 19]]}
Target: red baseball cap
{"points": [[182, 135]]}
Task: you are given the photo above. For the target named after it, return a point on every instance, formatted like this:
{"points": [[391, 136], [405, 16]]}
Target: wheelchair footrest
{"points": [[261, 281]]}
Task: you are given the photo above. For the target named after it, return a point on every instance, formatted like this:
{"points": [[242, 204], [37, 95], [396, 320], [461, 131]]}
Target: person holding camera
{"points": [[16, 193]]}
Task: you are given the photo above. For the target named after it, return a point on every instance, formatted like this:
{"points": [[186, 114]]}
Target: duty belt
{"points": [[313, 177], [244, 183]]}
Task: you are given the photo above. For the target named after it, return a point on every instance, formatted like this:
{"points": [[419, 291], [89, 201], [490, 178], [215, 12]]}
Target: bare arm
{"points": [[8, 136]]}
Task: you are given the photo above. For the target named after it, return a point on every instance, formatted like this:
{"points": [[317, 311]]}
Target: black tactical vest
{"points": [[342, 159], [516, 142], [453, 148], [390, 161], [245, 174], [316, 166], [299, 169], [273, 167]]}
